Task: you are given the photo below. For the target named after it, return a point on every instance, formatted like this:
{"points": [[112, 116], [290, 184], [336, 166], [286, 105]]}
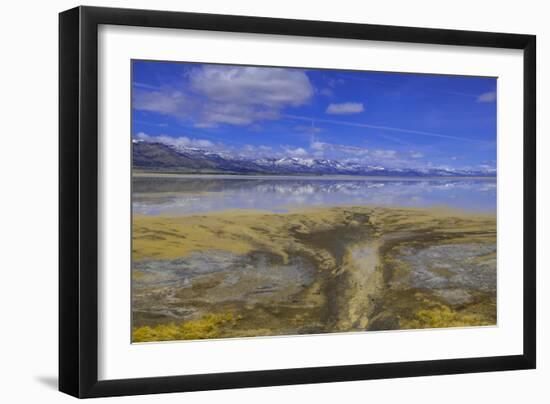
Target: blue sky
{"points": [[390, 119]]}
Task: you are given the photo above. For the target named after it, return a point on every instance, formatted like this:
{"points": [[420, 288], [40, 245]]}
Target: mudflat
{"points": [[247, 273]]}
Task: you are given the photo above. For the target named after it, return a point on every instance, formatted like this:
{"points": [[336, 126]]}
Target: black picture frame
{"points": [[78, 201]]}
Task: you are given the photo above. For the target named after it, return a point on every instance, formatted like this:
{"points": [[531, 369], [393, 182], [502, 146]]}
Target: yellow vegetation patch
{"points": [[210, 326], [242, 231], [442, 316], [167, 238]]}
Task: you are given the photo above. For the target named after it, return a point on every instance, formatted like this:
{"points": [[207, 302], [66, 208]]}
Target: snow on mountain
{"points": [[153, 155]]}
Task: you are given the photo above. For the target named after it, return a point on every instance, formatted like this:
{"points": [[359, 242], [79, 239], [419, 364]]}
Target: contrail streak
{"points": [[388, 128]]}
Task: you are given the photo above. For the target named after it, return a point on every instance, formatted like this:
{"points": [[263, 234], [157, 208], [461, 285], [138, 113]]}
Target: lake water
{"points": [[188, 194]]}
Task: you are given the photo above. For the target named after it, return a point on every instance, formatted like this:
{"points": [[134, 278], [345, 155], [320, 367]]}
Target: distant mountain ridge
{"points": [[156, 156]]}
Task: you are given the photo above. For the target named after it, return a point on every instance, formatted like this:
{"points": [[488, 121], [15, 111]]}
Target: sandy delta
{"points": [[246, 273]]}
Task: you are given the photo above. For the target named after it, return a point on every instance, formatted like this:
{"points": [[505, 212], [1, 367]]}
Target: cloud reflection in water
{"points": [[199, 194]]}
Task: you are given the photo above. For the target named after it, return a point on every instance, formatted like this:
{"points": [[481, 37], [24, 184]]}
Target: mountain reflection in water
{"points": [[180, 195]]}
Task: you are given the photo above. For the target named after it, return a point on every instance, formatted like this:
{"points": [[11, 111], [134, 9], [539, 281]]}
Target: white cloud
{"points": [[384, 154], [345, 108], [490, 96], [295, 152], [233, 95], [393, 159], [486, 166], [202, 142], [356, 151], [243, 95], [252, 85], [337, 151], [164, 102], [204, 125], [250, 151], [316, 145], [362, 155], [181, 141], [232, 114]]}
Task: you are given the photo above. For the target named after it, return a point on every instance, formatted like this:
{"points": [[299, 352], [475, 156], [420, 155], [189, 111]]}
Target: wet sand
{"points": [[341, 269]]}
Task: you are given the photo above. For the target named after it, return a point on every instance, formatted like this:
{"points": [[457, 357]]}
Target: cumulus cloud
{"points": [[317, 145], [362, 155], [212, 95], [385, 154], [295, 152], [490, 96], [181, 141], [345, 108], [164, 102], [335, 150], [232, 114], [202, 142], [252, 85], [395, 159], [251, 151]]}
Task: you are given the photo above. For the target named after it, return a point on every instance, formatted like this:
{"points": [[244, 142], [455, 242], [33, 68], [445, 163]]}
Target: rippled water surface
{"points": [[178, 195]]}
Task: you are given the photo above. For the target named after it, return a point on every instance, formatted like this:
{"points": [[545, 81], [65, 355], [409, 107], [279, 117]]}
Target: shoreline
{"points": [[436, 211], [153, 174]]}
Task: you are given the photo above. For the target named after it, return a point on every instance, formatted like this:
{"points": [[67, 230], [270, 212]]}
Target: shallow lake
{"points": [[188, 194]]}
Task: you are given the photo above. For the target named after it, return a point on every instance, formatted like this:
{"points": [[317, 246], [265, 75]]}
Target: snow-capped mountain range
{"points": [[156, 156]]}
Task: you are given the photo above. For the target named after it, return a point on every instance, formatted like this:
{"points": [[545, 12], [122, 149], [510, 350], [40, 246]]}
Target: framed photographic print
{"points": [[251, 201]]}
